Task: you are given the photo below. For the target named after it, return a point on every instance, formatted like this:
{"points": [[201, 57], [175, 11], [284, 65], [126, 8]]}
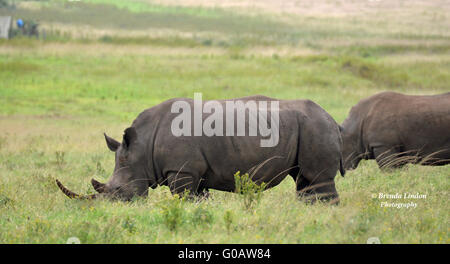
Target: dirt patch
{"points": [[313, 8]]}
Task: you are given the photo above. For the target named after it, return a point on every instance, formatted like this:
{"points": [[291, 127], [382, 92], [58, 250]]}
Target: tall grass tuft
{"points": [[172, 211]]}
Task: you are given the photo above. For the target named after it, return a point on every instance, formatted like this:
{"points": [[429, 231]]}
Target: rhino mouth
{"points": [[99, 187]]}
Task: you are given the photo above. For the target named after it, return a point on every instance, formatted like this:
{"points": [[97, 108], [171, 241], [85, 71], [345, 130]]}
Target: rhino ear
{"points": [[129, 137], [112, 144]]}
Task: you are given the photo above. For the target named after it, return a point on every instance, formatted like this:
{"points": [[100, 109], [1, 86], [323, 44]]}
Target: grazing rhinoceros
{"points": [[396, 129], [155, 151]]}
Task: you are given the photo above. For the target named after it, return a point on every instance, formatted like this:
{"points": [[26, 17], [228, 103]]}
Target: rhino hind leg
{"points": [[185, 184], [311, 191], [316, 178], [302, 185]]}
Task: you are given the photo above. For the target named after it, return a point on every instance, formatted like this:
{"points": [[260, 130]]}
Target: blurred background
{"points": [[69, 55]]}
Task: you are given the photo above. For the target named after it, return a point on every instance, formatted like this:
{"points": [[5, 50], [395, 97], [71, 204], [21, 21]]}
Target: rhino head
{"points": [[130, 177]]}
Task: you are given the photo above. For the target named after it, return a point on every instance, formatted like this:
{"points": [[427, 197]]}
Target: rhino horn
{"points": [[98, 186], [73, 195]]}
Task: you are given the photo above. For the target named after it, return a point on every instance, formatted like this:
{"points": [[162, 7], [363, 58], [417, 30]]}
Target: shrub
{"points": [[172, 212], [129, 225], [201, 216], [251, 191]]}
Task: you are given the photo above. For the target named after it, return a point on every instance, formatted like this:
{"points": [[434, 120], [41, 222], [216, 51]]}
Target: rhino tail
{"points": [[341, 167]]}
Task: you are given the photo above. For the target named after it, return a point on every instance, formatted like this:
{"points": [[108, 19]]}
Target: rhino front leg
{"points": [[389, 157], [182, 183]]}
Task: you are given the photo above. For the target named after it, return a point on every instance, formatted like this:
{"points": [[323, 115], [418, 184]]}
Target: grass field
{"points": [[104, 61]]}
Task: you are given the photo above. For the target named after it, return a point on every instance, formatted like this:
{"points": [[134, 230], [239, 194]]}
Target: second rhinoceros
{"points": [[396, 129]]}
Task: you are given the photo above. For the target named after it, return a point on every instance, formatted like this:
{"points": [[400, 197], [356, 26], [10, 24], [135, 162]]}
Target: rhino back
{"points": [[412, 122]]}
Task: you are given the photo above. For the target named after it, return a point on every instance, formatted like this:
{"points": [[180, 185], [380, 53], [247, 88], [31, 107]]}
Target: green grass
{"points": [[105, 86], [222, 27], [35, 211], [58, 96]]}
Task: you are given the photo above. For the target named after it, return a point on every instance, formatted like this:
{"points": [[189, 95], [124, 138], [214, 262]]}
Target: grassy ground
{"points": [[96, 71]]}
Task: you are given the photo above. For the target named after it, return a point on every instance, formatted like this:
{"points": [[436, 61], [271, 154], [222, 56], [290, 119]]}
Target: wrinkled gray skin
{"points": [[309, 149], [395, 129]]}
